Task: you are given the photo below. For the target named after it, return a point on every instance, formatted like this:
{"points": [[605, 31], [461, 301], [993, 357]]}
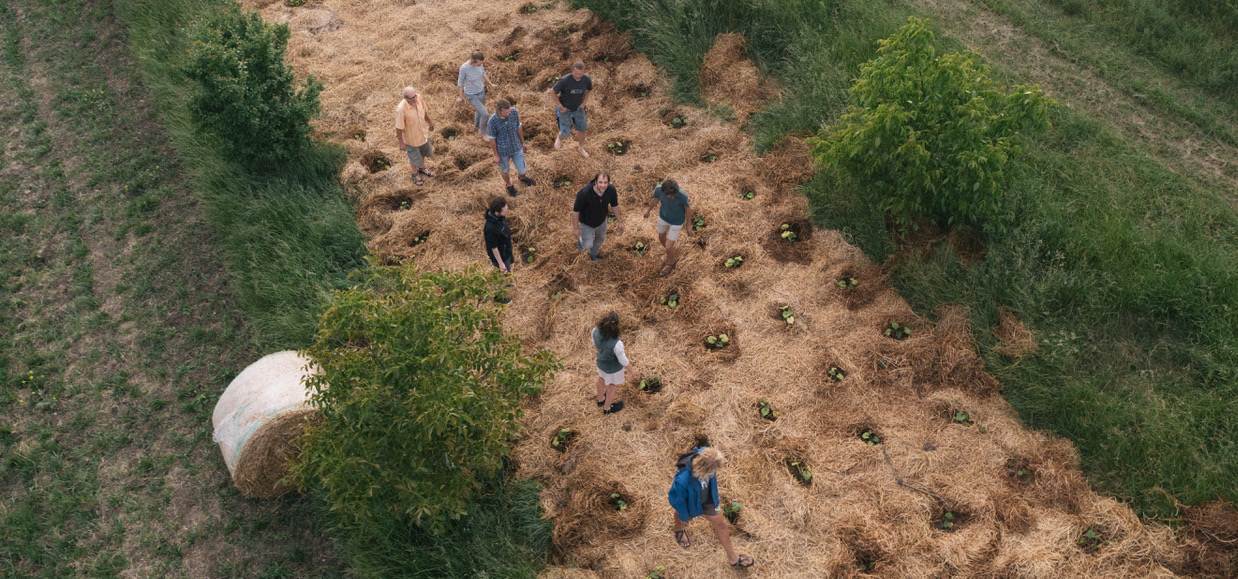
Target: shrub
{"points": [[420, 395], [247, 95], [929, 135]]}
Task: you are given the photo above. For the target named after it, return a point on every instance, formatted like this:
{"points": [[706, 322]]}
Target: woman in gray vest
{"points": [[611, 360]]}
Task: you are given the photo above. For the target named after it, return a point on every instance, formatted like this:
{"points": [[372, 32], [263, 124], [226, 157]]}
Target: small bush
{"points": [[420, 395], [930, 135], [247, 95]]}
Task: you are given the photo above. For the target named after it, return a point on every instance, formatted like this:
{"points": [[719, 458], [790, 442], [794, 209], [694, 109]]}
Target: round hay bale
{"points": [[259, 420]]}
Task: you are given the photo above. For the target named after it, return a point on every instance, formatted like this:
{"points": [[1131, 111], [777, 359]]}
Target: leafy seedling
{"points": [[698, 223], [420, 239], [511, 56], [640, 248], [530, 254], [767, 410], [528, 8], [948, 521], [836, 374], [642, 91], [733, 262], [897, 331], [731, 511], [717, 342], [610, 218], [678, 122], [787, 234], [405, 205], [502, 298], [359, 135], [870, 437], [847, 282], [651, 385], [562, 439], [788, 316], [748, 195], [671, 300], [618, 147], [709, 158], [799, 469], [961, 417], [658, 572], [617, 501], [1090, 540], [562, 182], [294, 3]]}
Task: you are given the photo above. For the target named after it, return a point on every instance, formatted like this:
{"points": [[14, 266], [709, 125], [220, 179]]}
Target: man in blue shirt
{"points": [[673, 212], [506, 137]]}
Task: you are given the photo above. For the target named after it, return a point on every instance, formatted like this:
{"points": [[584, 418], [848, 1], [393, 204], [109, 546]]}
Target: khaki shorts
{"points": [[671, 231], [615, 378]]}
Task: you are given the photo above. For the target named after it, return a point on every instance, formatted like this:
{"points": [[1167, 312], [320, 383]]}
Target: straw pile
{"points": [[1020, 504], [259, 420]]}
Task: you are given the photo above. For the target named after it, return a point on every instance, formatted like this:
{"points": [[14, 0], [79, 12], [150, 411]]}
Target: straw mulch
{"points": [[1019, 497]]}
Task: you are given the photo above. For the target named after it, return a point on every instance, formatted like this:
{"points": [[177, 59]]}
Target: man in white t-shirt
{"points": [[472, 81]]}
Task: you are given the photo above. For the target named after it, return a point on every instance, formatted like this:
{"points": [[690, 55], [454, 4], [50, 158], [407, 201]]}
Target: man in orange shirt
{"points": [[412, 129]]}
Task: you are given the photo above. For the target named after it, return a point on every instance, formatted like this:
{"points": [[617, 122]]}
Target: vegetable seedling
{"points": [[947, 521], [530, 254], [698, 223], [836, 374], [617, 501], [618, 147], [733, 262], [799, 469], [405, 204], [731, 511], [961, 417], [513, 55], [1090, 540], [650, 385], [420, 239], [748, 195], [709, 158], [788, 234], [678, 122], [671, 300], [562, 439], [658, 572], [767, 410], [897, 331], [717, 342], [788, 316], [562, 182], [847, 282], [870, 437], [640, 248]]}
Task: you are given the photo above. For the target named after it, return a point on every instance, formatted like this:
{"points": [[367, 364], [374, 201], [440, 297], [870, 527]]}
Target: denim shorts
{"points": [[572, 120], [505, 160]]}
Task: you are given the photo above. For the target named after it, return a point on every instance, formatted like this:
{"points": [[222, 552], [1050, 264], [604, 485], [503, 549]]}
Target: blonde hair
{"points": [[707, 463]]}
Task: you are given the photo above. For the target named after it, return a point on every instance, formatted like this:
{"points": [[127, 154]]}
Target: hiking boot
{"points": [[527, 181], [615, 407], [511, 190]]}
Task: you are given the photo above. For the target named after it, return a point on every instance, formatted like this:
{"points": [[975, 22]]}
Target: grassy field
{"points": [[1122, 262]]}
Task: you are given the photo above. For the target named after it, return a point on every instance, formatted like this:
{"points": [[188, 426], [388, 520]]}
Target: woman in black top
{"points": [[498, 235]]}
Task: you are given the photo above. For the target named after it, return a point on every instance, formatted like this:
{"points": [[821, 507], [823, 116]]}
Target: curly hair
{"points": [[707, 463], [609, 325]]}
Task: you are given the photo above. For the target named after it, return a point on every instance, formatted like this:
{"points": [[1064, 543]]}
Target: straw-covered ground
{"points": [[1018, 504]]}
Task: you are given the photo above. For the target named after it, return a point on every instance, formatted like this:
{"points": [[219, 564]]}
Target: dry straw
{"points": [[874, 507]]}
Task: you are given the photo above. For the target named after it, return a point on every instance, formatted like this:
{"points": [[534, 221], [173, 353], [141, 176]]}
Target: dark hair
{"points": [[609, 325], [578, 65], [669, 187], [502, 105], [477, 56], [601, 174], [497, 204]]}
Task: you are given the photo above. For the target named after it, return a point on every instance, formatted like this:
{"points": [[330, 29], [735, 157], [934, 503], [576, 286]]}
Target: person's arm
{"points": [[584, 98], [494, 146], [687, 218], [519, 131], [621, 354], [399, 126], [649, 210], [425, 111], [506, 268], [555, 91], [577, 207], [576, 223], [399, 136], [614, 204], [460, 83]]}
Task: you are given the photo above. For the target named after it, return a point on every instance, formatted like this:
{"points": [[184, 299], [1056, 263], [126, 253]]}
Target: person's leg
{"points": [[723, 532], [586, 238], [672, 248], [416, 162], [599, 237], [611, 392], [582, 130], [661, 227], [600, 391], [565, 126], [480, 114], [504, 166], [426, 151], [522, 169]]}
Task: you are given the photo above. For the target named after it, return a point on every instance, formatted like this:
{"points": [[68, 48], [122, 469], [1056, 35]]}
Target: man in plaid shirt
{"points": [[506, 136]]}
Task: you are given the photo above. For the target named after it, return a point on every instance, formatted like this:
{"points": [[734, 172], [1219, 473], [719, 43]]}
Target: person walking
{"points": [[593, 205], [612, 362], [413, 126], [473, 81], [498, 235], [694, 492], [570, 94], [674, 211], [506, 137]]}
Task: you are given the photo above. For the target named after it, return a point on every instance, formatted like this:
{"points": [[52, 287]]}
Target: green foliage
{"points": [[929, 134], [420, 395], [247, 95]]}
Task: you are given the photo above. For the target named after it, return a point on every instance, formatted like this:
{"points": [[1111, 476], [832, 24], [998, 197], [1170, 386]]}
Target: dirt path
{"points": [[1019, 498], [119, 322], [1181, 145]]}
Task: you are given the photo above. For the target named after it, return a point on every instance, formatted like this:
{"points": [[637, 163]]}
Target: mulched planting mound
{"points": [[868, 508]]}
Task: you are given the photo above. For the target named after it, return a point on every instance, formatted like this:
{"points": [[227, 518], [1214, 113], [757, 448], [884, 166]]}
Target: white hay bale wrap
{"points": [[259, 419]]}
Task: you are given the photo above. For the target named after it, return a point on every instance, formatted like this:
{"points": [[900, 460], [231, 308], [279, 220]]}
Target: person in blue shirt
{"points": [[694, 493], [506, 137], [674, 211]]}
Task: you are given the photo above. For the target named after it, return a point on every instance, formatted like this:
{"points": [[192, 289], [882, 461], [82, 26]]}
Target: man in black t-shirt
{"points": [[593, 205], [569, 96]]}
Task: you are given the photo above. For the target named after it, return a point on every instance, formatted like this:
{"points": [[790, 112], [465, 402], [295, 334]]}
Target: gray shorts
{"points": [[417, 155]]}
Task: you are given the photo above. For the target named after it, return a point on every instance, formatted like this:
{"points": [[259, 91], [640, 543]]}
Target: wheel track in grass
{"points": [[369, 50]]}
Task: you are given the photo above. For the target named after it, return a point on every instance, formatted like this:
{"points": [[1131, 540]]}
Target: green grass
{"points": [[1126, 271]]}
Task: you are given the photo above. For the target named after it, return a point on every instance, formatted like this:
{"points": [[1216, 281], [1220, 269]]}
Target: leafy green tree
{"points": [[928, 134], [247, 94], [420, 393]]}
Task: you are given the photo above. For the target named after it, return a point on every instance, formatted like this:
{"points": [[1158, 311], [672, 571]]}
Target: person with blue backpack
{"points": [[694, 493]]}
